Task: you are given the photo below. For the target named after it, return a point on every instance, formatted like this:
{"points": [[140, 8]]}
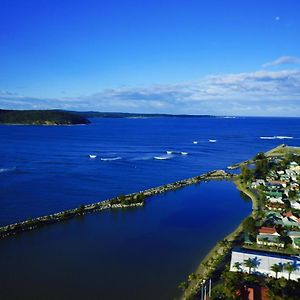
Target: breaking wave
{"points": [[279, 137], [6, 170], [162, 157], [110, 158]]}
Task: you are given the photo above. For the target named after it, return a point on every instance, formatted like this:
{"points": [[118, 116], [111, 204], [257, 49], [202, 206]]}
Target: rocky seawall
{"points": [[123, 201]]}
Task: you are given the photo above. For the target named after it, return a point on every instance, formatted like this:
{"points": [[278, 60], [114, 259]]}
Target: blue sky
{"points": [[218, 57]]}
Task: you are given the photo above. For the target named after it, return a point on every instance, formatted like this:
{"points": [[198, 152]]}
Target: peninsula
{"points": [[40, 117]]}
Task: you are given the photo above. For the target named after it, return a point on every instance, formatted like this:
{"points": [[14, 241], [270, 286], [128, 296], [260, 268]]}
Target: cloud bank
{"points": [[283, 60], [261, 93]]}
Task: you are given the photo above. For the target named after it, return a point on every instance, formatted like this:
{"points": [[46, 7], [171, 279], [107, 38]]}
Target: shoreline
{"points": [[202, 270]]}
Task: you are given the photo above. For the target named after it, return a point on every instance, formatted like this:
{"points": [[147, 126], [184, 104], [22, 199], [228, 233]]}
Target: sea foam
{"points": [[110, 158], [6, 170], [279, 137]]}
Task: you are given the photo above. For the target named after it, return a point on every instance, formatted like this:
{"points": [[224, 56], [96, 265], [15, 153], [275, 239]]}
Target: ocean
{"points": [[141, 253]]}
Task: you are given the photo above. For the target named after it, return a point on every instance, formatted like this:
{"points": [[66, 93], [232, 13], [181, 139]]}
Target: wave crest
{"points": [[110, 158], [6, 170]]}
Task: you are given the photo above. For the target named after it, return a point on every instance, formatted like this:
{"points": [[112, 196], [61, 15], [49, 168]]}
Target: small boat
{"points": [[184, 153], [92, 156], [212, 141], [169, 152], [195, 142]]}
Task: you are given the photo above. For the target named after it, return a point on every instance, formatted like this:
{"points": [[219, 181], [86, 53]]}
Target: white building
{"points": [[263, 262]]}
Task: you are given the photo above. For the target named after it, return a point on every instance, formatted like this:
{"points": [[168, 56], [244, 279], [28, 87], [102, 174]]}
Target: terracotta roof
{"points": [[288, 214], [267, 230], [278, 182]]}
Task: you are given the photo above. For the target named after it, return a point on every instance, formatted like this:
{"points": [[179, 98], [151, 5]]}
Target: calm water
{"points": [[135, 254]]}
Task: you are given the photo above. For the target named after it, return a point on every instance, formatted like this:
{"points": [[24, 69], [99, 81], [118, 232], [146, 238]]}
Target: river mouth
{"points": [[136, 253]]}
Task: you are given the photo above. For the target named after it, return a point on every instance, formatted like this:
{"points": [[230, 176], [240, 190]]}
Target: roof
{"points": [[288, 214], [277, 182], [294, 233], [268, 238], [267, 230]]}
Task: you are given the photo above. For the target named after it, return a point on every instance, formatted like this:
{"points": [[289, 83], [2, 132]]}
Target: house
{"points": [[274, 194], [294, 186], [290, 172], [275, 206], [295, 204], [269, 236], [258, 182], [269, 240], [290, 215], [295, 237], [276, 200], [268, 230], [296, 169], [278, 183], [293, 164], [285, 178], [262, 263], [289, 222]]}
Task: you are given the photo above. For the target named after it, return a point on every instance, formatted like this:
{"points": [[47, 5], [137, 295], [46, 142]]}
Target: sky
{"points": [[217, 57]]}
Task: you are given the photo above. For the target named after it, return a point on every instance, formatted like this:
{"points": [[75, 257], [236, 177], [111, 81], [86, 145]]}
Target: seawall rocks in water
{"points": [[126, 201]]}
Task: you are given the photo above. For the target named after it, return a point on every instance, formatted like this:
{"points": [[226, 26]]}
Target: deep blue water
{"points": [[134, 254], [47, 169], [141, 253]]}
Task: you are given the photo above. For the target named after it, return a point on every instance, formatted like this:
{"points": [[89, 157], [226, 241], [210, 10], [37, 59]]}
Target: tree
{"points": [[122, 198], [276, 268], [261, 168], [290, 268], [249, 263], [80, 209], [292, 194], [246, 173], [259, 156], [249, 226], [237, 265], [183, 286], [192, 277]]}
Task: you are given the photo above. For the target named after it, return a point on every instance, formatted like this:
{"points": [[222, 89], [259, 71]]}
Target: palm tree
{"points": [[192, 277], [249, 263], [276, 268], [238, 266], [183, 286], [290, 268]]}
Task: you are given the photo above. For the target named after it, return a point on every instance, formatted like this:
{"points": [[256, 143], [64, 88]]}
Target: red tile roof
{"points": [[288, 214], [267, 230]]}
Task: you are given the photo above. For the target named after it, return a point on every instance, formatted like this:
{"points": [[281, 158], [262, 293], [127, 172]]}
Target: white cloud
{"points": [[283, 60], [255, 93]]}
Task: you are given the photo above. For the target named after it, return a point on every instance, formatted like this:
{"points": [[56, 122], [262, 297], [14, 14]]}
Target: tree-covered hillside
{"points": [[41, 117]]}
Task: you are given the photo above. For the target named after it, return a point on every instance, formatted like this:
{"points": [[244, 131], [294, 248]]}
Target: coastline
{"points": [[202, 270]]}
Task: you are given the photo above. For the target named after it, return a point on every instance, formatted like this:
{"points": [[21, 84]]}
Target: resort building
{"points": [[262, 263]]}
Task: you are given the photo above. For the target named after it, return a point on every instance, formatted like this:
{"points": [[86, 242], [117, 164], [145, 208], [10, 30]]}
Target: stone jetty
{"points": [[124, 201]]}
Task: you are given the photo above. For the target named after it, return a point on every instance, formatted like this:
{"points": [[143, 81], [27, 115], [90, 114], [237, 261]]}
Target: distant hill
{"points": [[96, 114], [41, 117]]}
